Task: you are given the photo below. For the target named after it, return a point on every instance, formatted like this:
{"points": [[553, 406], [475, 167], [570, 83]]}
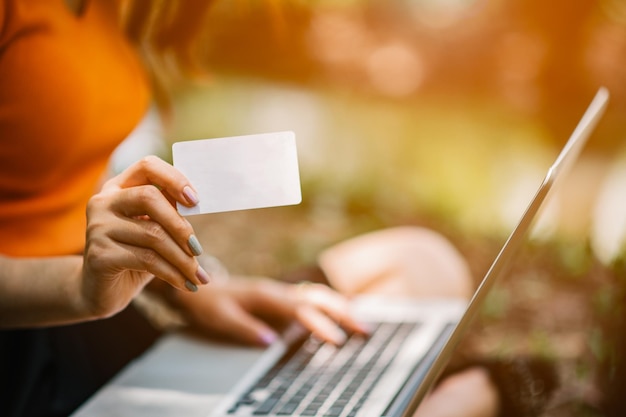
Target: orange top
{"points": [[71, 89]]}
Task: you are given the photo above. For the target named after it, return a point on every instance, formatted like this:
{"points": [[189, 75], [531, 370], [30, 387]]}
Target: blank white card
{"points": [[240, 172]]}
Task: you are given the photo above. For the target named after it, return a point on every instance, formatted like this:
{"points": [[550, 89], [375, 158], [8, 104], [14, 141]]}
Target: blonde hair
{"points": [[168, 34], [172, 36]]}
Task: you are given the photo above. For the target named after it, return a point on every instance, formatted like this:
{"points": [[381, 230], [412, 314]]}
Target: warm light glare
{"points": [[338, 39], [608, 235], [395, 69], [440, 14], [615, 10]]}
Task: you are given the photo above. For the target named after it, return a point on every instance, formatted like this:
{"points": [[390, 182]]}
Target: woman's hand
{"points": [[134, 233], [251, 310]]}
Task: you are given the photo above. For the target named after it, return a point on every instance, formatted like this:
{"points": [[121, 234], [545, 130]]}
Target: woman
{"points": [[72, 87]]}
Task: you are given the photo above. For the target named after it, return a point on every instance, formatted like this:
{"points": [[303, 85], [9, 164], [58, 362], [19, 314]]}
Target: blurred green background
{"points": [[442, 113], [450, 108]]}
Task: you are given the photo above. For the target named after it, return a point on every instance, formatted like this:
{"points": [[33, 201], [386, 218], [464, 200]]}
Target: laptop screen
{"points": [[563, 162]]}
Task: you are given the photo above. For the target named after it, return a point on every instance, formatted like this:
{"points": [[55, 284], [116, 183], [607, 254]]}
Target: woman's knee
{"points": [[399, 260]]}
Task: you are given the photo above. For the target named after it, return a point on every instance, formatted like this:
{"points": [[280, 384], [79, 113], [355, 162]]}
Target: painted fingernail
{"points": [[194, 245], [339, 337], [191, 286], [190, 195], [364, 328], [268, 338], [203, 276]]}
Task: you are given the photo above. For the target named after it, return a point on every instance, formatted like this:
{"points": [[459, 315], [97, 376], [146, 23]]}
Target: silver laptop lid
{"points": [[564, 161]]}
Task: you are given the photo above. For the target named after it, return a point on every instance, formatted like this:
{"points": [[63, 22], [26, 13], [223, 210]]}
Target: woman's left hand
{"points": [[252, 309]]}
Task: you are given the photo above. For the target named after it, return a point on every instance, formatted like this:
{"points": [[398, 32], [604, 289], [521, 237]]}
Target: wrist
{"points": [[81, 302], [84, 303]]}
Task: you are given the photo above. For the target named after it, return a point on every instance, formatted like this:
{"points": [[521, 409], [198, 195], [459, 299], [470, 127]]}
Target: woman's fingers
{"points": [[249, 309], [158, 226], [134, 233], [326, 303], [119, 244], [320, 309], [223, 310], [320, 325], [141, 219], [147, 260], [141, 201], [238, 324], [154, 171], [159, 254]]}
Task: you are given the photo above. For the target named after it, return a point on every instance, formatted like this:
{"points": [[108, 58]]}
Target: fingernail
{"points": [[268, 338], [194, 245], [365, 328], [191, 286], [203, 276], [190, 195], [340, 337]]}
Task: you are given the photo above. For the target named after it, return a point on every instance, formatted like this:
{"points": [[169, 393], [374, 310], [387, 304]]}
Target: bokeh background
{"points": [[438, 113]]}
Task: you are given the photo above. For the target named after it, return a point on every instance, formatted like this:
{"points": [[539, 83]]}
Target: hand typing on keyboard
{"points": [[254, 310]]}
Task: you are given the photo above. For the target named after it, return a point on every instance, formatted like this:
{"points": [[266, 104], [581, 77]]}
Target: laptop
{"points": [[386, 374], [390, 372]]}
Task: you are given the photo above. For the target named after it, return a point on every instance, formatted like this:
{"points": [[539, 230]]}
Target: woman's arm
{"points": [[41, 291]]}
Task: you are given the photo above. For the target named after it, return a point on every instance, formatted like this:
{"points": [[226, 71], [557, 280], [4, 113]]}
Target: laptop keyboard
{"points": [[315, 378]]}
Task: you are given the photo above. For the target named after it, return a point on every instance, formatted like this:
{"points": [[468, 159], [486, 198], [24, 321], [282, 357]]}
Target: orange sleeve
{"points": [[2, 6]]}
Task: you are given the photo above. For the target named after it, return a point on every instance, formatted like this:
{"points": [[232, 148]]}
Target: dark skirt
{"points": [[51, 371]]}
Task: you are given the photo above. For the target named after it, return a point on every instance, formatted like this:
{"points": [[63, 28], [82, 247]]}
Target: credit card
{"points": [[240, 172]]}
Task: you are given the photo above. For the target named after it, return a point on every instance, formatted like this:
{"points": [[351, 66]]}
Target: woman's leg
{"points": [[398, 261]]}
